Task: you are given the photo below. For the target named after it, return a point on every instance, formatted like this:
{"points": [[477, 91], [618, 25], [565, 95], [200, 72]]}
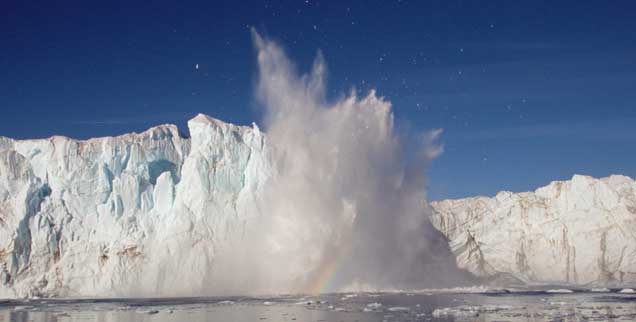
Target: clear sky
{"points": [[526, 91]]}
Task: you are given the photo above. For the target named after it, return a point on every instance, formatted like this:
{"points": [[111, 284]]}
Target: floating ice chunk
{"points": [[469, 311], [559, 291], [225, 303], [371, 307], [374, 305], [22, 307], [496, 308], [456, 312], [399, 309], [600, 290], [460, 290], [348, 296], [627, 291], [560, 303]]}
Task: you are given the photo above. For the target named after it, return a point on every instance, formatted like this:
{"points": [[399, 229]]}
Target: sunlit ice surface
{"points": [[426, 305]]}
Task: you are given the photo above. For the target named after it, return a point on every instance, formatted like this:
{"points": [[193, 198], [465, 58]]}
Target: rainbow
{"points": [[325, 278]]}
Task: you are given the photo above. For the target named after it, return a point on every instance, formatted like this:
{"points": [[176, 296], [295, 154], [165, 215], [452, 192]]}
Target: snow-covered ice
{"points": [[576, 232], [125, 215]]}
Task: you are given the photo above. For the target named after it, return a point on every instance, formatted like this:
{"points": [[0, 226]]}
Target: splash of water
{"points": [[346, 206]]}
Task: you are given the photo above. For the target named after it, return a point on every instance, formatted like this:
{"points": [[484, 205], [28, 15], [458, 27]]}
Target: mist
{"points": [[345, 208]]}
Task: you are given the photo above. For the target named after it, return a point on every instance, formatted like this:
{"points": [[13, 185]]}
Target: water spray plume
{"points": [[345, 207]]}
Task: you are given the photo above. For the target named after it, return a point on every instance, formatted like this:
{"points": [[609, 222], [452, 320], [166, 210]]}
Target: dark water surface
{"points": [[354, 307]]}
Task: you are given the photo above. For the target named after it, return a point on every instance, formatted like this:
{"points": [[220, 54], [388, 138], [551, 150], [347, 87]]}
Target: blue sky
{"points": [[526, 92]]}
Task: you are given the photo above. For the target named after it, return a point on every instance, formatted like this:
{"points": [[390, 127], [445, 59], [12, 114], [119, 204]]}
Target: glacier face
{"points": [[158, 214], [125, 215], [581, 231], [335, 200]]}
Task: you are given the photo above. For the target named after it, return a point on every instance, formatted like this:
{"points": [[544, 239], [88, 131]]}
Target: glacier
{"points": [[578, 232], [125, 215], [332, 199], [160, 213]]}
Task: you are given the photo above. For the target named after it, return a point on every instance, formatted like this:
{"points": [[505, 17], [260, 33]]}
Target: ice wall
{"points": [[135, 215], [581, 231]]}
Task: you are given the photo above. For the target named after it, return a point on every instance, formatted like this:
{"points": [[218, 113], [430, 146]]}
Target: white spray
{"points": [[346, 206]]}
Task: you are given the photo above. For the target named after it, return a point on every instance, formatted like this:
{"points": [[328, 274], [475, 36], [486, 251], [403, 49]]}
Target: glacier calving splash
{"points": [[158, 214], [332, 199], [581, 232], [347, 202]]}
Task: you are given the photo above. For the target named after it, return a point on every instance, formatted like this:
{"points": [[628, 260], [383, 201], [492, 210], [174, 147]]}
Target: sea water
{"points": [[505, 305]]}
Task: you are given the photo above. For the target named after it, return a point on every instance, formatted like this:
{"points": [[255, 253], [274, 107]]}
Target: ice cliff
{"points": [[154, 214], [581, 231], [125, 215]]}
